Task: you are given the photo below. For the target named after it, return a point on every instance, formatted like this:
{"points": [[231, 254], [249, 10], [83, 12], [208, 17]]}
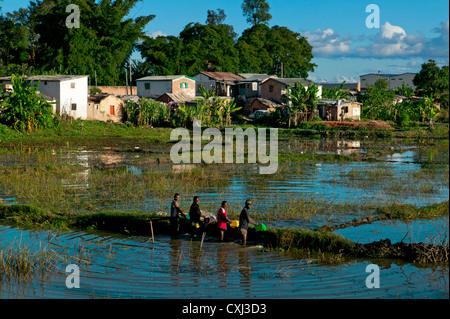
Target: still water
{"points": [[132, 267]]}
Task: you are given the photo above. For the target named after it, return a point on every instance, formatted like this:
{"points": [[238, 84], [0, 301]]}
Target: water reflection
{"points": [[131, 267]]}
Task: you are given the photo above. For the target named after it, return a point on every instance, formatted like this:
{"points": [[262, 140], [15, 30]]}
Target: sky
{"points": [[410, 32]]}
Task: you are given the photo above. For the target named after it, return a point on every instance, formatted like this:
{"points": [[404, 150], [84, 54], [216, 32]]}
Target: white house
{"points": [[155, 86], [69, 91], [394, 80]]}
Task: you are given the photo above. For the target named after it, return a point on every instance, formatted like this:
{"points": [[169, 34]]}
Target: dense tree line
{"points": [[36, 40]]}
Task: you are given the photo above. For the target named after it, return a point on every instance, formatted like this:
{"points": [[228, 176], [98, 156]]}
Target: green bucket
{"points": [[261, 227]]}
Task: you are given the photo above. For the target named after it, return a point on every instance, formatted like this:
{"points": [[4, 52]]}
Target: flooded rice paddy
{"points": [[132, 267], [304, 193]]}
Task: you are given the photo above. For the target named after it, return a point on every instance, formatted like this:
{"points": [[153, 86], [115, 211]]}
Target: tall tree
{"points": [[163, 55], [433, 80], [209, 48], [102, 44], [256, 11], [215, 17], [271, 50]]}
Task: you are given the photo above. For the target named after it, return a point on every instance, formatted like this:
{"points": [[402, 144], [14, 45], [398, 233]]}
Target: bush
{"points": [[23, 109]]}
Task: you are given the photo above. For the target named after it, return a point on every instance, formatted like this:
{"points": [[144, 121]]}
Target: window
{"points": [[72, 85], [147, 86], [45, 83], [393, 79], [111, 109], [74, 106], [271, 88], [184, 85], [345, 108], [401, 79]]}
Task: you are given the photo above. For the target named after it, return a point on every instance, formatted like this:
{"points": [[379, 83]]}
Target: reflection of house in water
{"points": [[79, 179], [339, 147], [110, 158], [179, 168]]}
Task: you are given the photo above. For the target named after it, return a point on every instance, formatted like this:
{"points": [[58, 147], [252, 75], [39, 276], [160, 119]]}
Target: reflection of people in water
{"points": [[222, 264], [244, 270], [175, 255]]}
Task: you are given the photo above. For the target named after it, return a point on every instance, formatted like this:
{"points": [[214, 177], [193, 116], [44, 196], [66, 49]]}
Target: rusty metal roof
{"points": [[223, 76]]}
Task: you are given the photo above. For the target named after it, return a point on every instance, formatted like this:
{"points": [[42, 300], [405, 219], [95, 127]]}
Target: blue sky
{"points": [[410, 33]]}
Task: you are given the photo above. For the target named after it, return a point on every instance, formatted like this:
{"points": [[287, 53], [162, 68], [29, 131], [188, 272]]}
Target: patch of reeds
{"points": [[24, 262]]}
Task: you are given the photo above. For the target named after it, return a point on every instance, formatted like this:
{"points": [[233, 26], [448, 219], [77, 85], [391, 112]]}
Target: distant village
{"points": [[256, 93]]}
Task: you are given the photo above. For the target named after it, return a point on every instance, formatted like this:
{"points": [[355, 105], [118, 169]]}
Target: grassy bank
{"points": [[75, 131], [286, 239]]}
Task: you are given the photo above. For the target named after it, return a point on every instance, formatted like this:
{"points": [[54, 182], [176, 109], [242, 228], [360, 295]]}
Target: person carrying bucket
{"points": [[175, 212], [244, 220], [222, 220], [195, 214]]}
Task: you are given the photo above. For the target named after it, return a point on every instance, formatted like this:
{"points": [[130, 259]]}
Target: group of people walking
{"points": [[222, 218]]}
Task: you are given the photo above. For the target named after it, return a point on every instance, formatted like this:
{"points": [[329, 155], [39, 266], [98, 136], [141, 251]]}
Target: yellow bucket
{"points": [[234, 223], [197, 225]]}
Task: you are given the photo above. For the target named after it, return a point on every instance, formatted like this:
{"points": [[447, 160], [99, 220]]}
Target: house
{"points": [[69, 91], [155, 86], [276, 88], [251, 86], [224, 83], [352, 109], [176, 98], [262, 104], [394, 80], [105, 107]]}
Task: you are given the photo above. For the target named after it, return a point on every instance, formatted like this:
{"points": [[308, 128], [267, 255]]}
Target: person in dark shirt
{"points": [[175, 212], [194, 214], [244, 221]]}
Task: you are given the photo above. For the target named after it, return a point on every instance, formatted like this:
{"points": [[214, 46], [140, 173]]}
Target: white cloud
{"points": [[328, 42], [157, 34], [389, 31], [390, 42]]}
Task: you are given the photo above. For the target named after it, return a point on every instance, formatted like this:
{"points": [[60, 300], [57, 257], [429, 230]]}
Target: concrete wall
{"points": [[177, 87], [206, 81], [394, 81], [278, 87], [74, 95], [158, 88], [116, 90]]}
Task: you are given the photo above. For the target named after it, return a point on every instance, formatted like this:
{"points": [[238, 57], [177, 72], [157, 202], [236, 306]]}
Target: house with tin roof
{"points": [[250, 87], [224, 83], [156, 86], [70, 92], [275, 88]]}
